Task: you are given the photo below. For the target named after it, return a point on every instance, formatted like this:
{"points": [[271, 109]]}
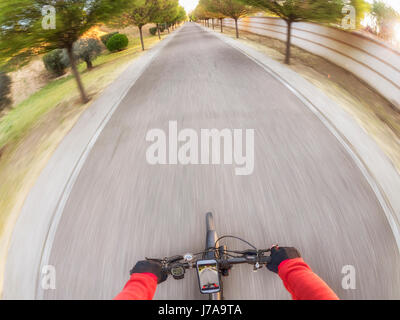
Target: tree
{"points": [[180, 15], [5, 84], [203, 12], [385, 19], [213, 7], [87, 50], [170, 14], [140, 13], [200, 12], [23, 33], [303, 10], [228, 8], [164, 11]]}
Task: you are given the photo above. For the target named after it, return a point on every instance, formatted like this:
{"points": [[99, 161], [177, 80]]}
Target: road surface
{"points": [[305, 190]]}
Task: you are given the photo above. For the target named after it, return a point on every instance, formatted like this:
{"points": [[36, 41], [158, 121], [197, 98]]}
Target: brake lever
{"points": [[174, 259]]}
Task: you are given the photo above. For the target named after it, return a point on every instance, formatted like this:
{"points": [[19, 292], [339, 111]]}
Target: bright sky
{"points": [[189, 5]]}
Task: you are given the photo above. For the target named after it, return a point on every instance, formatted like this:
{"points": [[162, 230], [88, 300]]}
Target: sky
{"points": [[189, 5]]}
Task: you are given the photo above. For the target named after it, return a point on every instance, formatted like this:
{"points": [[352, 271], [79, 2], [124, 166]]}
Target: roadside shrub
{"points": [[5, 89], [117, 42], [87, 50], [153, 31], [107, 37], [56, 61]]}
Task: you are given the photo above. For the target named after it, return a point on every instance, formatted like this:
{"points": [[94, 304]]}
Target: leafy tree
{"points": [[180, 15], [228, 8], [212, 7], [361, 7], [171, 13], [87, 49], [304, 10], [199, 12], [140, 13], [162, 13], [202, 12], [56, 61], [23, 34], [385, 18], [5, 85]]}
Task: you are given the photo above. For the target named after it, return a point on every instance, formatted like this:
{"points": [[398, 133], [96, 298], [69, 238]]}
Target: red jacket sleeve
{"points": [[302, 283], [141, 286]]}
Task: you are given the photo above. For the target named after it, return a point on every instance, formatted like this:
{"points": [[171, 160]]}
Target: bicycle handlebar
{"points": [[174, 262]]}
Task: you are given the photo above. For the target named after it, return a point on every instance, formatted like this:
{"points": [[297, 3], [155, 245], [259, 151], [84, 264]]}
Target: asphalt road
{"points": [[305, 190]]}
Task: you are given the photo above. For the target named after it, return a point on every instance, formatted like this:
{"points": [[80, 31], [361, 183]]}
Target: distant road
{"points": [[305, 190]]}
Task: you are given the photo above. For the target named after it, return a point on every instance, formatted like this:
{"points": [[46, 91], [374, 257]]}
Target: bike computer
{"points": [[207, 272]]}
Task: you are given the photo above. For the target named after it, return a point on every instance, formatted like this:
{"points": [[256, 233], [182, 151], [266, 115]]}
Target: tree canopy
{"points": [[22, 32], [307, 10], [220, 9], [385, 18], [142, 12]]}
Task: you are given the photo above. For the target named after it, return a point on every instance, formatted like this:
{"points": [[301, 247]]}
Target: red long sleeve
{"points": [[141, 286], [302, 283]]}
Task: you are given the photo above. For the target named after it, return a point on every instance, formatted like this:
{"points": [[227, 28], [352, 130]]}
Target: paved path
{"points": [[305, 189]]}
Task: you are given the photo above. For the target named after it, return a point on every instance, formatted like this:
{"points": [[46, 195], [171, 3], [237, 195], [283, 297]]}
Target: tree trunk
{"points": [[89, 64], [212, 21], [237, 29], [141, 37], [220, 20], [158, 31], [288, 41], [77, 76]]}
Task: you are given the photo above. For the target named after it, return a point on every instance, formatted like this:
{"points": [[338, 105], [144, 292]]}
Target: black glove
{"points": [[279, 254], [150, 266]]}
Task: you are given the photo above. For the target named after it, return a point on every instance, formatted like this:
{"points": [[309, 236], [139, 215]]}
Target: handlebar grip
{"points": [[265, 259]]}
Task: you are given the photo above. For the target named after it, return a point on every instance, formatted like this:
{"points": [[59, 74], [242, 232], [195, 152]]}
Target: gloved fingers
{"points": [[274, 248]]}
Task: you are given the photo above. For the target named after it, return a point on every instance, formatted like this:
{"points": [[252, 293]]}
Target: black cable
{"points": [[228, 236]]}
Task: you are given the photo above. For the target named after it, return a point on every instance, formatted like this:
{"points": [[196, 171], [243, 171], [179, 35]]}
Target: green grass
{"points": [[22, 117], [15, 123]]}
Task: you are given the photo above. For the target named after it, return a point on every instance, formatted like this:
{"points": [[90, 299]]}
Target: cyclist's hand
{"points": [[279, 254], [150, 266]]}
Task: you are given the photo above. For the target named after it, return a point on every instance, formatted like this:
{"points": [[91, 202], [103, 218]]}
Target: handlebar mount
{"points": [[177, 265]]}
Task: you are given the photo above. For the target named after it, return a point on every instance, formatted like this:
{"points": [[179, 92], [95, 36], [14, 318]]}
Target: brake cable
{"points": [[229, 236]]}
